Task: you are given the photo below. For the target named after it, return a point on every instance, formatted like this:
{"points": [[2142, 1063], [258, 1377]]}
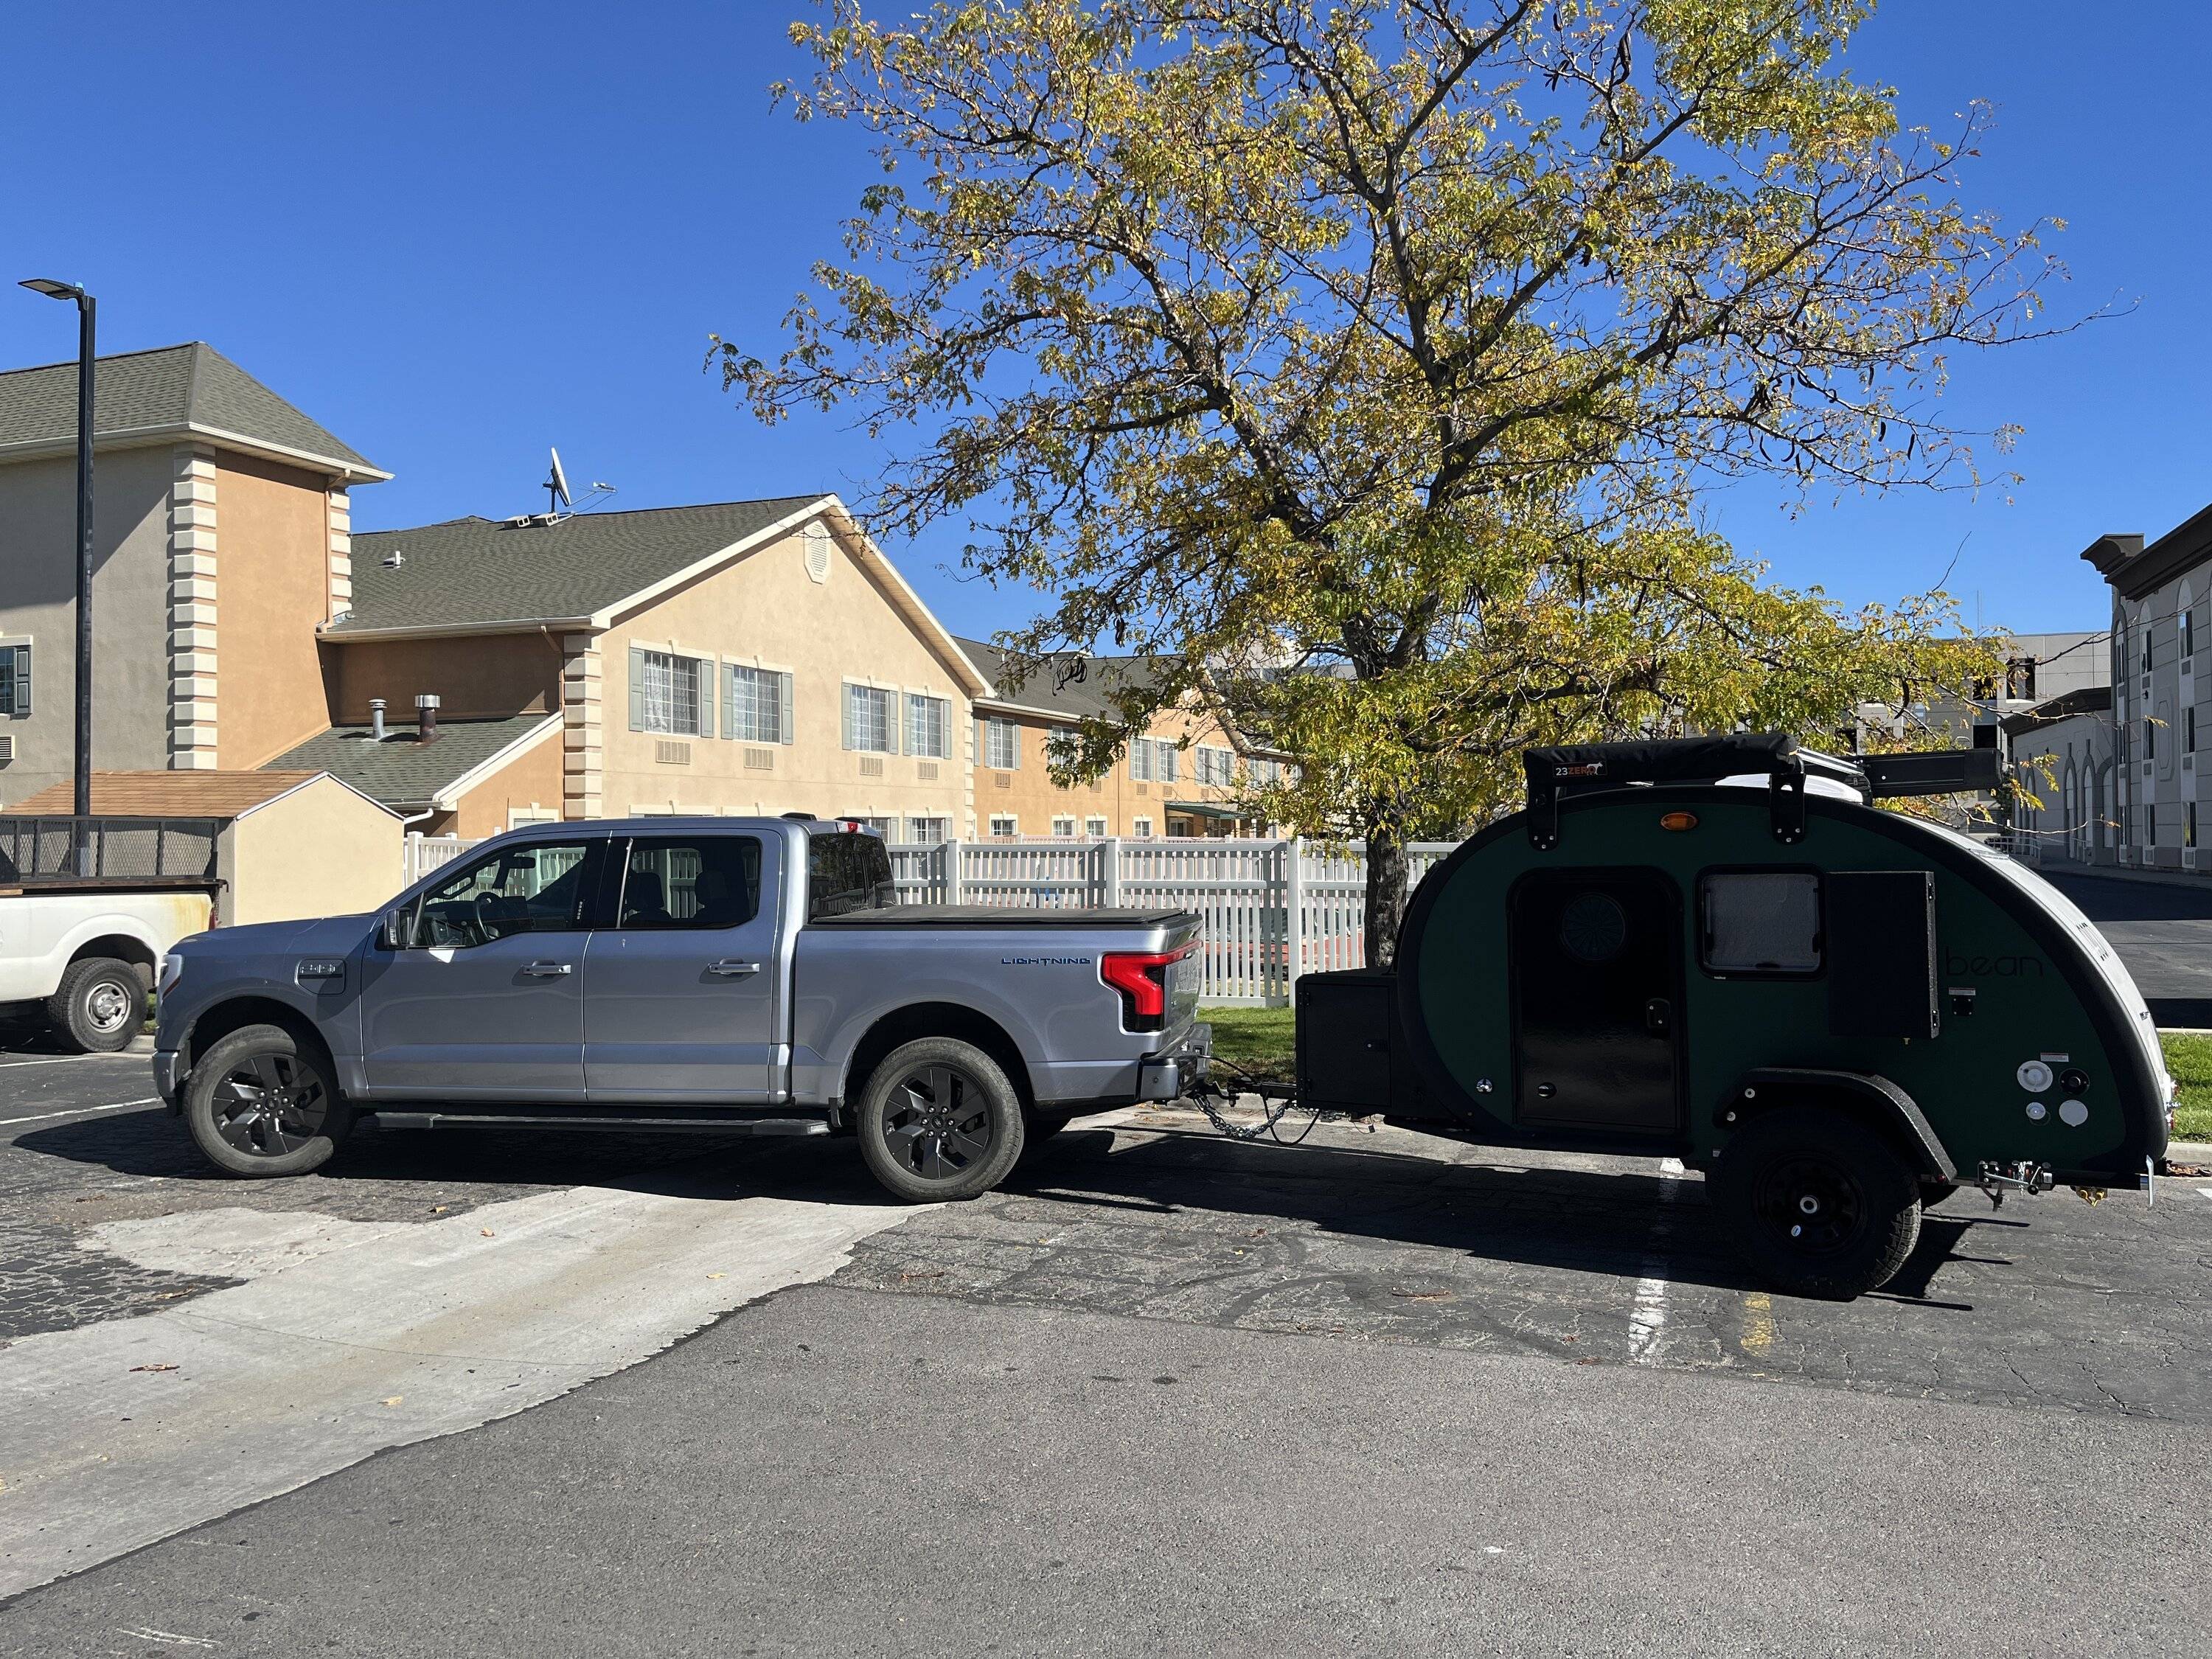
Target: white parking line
{"points": [[52, 1060], [1647, 1320], [2206, 1191], [80, 1111]]}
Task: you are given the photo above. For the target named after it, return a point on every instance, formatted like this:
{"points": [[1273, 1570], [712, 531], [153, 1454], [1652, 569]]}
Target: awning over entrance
{"points": [[1205, 809]]}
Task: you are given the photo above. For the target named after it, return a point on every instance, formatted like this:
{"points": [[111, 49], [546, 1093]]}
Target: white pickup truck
{"points": [[82, 952]]}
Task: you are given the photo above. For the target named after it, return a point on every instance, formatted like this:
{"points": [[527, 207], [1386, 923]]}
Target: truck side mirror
{"points": [[399, 932]]}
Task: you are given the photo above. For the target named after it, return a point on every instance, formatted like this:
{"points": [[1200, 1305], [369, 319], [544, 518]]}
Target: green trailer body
{"points": [[1657, 962]]}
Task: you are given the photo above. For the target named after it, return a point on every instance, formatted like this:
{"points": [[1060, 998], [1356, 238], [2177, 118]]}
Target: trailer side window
{"points": [[1761, 923]]}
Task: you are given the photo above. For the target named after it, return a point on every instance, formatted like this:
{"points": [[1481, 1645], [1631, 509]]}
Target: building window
{"points": [[2188, 635], [665, 693], [1153, 760], [756, 705], [701, 882], [1141, 828], [1215, 766], [1064, 826], [2150, 738], [1094, 826], [1002, 746], [2188, 824], [1004, 826], [15, 678], [927, 720], [929, 830], [868, 719], [2189, 730], [2145, 652]]}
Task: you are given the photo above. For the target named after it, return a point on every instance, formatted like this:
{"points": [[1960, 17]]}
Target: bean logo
{"points": [[1957, 966]]}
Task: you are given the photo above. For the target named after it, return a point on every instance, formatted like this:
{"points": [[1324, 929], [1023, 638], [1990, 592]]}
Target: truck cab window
{"points": [[1760, 922], [847, 872], [534, 888], [692, 881]]}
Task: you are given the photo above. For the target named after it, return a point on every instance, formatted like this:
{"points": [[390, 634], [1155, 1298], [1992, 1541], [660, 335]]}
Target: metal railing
{"points": [[39, 850]]}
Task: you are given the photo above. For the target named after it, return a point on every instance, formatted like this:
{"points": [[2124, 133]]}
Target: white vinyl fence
{"points": [[1270, 911]]}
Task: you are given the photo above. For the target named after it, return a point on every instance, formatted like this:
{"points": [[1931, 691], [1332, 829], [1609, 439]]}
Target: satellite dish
{"points": [[556, 485]]}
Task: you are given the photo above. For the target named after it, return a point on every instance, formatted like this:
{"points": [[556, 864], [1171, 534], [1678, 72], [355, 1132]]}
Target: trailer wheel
{"points": [[939, 1121], [1816, 1204], [261, 1103], [99, 1006]]}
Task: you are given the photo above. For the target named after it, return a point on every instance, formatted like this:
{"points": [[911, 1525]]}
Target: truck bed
{"points": [[1005, 918]]}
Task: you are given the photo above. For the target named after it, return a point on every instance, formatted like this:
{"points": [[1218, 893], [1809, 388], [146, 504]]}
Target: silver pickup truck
{"points": [[740, 974]]}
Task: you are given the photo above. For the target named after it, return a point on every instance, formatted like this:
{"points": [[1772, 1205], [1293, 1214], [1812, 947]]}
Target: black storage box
{"points": [[1347, 1023]]}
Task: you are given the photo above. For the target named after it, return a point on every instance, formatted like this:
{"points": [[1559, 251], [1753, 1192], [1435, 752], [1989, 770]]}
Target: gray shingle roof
{"points": [[172, 387], [1069, 684], [403, 770], [483, 570]]}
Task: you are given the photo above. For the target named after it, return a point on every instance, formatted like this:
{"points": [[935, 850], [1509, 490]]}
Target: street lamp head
{"points": [[53, 289]]}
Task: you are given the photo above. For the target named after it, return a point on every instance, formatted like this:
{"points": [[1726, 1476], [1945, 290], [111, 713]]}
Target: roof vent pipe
{"points": [[376, 719], [426, 717]]}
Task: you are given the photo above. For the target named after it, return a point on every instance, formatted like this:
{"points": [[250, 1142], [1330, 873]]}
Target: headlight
{"points": [[172, 969]]}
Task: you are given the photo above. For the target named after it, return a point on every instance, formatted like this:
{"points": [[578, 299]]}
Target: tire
{"points": [[1818, 1204], [1933, 1193], [226, 1104], [99, 1006], [939, 1121]]}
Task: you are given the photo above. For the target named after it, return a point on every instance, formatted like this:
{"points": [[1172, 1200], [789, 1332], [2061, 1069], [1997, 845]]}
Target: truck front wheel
{"points": [[1818, 1204], [939, 1120], [99, 1006], [261, 1103]]}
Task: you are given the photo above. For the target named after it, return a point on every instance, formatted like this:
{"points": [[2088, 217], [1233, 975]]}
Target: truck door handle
{"points": [[547, 969], [730, 968]]}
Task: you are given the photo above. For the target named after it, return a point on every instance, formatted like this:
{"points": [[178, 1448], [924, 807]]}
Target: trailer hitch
{"points": [[2019, 1176]]}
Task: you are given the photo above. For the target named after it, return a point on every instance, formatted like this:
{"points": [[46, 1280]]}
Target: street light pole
{"points": [[87, 309]]}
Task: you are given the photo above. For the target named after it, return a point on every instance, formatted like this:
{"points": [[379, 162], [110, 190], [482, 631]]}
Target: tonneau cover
{"points": [[989, 915]]}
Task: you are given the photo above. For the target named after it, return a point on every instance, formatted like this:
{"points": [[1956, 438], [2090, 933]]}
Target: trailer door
{"points": [[1597, 972]]}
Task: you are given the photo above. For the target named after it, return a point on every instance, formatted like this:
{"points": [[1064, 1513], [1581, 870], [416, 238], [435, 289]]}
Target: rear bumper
{"points": [[1171, 1073]]}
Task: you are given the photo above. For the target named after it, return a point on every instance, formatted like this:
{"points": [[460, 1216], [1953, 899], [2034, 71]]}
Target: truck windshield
{"points": [[847, 872]]}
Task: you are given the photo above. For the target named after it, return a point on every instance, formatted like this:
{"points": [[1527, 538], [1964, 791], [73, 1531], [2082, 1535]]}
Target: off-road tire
{"points": [[910, 1139], [1865, 1214], [98, 1007], [304, 1143]]}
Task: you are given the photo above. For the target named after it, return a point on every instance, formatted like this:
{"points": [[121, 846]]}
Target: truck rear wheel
{"points": [[939, 1120], [1818, 1204], [262, 1102], [99, 1006]]}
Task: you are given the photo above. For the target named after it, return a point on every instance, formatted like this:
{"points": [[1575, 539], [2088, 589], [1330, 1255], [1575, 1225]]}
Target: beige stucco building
{"points": [[1188, 774]]}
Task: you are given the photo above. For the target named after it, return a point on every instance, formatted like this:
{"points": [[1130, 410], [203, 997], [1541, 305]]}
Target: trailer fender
{"points": [[1875, 1100]]}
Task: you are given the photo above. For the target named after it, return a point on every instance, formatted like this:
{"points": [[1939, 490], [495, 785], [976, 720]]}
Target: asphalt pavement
{"points": [[1376, 1393], [2163, 931]]}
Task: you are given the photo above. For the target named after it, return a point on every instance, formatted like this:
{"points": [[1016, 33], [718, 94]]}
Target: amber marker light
{"points": [[1679, 820]]}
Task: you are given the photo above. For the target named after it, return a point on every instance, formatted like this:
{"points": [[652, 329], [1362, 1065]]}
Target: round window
{"points": [[1594, 927]]}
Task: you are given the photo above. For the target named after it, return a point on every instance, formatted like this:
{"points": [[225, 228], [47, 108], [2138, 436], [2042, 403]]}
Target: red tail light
{"points": [[1141, 977]]}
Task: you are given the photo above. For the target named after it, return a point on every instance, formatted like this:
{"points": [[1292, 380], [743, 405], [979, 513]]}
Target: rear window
{"points": [[847, 872]]}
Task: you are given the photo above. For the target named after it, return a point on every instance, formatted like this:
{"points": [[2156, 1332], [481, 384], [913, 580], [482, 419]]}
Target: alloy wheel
{"points": [[938, 1122], [268, 1105]]}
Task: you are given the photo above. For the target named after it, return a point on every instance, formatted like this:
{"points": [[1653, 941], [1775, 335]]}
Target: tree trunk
{"points": [[1386, 888]]}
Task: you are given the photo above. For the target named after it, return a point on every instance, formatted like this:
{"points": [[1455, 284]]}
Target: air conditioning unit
{"points": [[7, 745]]}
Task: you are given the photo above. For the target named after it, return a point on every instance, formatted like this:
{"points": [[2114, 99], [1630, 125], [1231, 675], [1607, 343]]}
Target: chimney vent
{"points": [[426, 717], [376, 719]]}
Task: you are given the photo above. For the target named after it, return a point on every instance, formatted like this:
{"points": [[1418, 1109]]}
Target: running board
{"points": [[719, 1123]]}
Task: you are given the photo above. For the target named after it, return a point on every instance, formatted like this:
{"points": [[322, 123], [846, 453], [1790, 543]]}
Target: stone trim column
{"points": [[192, 609], [582, 709], [340, 519]]}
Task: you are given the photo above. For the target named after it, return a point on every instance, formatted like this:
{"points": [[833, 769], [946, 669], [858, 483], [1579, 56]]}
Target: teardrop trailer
{"points": [[1718, 950]]}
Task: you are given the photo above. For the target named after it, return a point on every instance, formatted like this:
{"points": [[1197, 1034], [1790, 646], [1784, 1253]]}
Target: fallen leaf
{"points": [[718, 1275], [395, 1399], [485, 1232], [1424, 1296], [153, 1368], [439, 1209]]}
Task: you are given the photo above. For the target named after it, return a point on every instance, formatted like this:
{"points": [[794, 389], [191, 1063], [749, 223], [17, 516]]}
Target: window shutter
{"points": [[893, 743], [729, 700], [22, 679], [783, 707], [703, 673], [849, 702], [637, 688], [982, 756]]}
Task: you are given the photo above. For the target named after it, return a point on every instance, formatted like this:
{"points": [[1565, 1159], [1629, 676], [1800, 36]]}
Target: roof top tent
{"points": [[1715, 949]]}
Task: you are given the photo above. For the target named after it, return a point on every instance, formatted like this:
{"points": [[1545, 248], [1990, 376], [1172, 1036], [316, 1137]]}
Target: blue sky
{"points": [[457, 234]]}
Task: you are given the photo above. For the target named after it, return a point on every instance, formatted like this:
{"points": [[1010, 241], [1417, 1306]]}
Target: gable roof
{"points": [[169, 794], [491, 575], [173, 392], [1067, 683], [402, 770]]}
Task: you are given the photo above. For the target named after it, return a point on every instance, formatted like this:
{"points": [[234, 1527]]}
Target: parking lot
{"points": [[1378, 1392]]}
